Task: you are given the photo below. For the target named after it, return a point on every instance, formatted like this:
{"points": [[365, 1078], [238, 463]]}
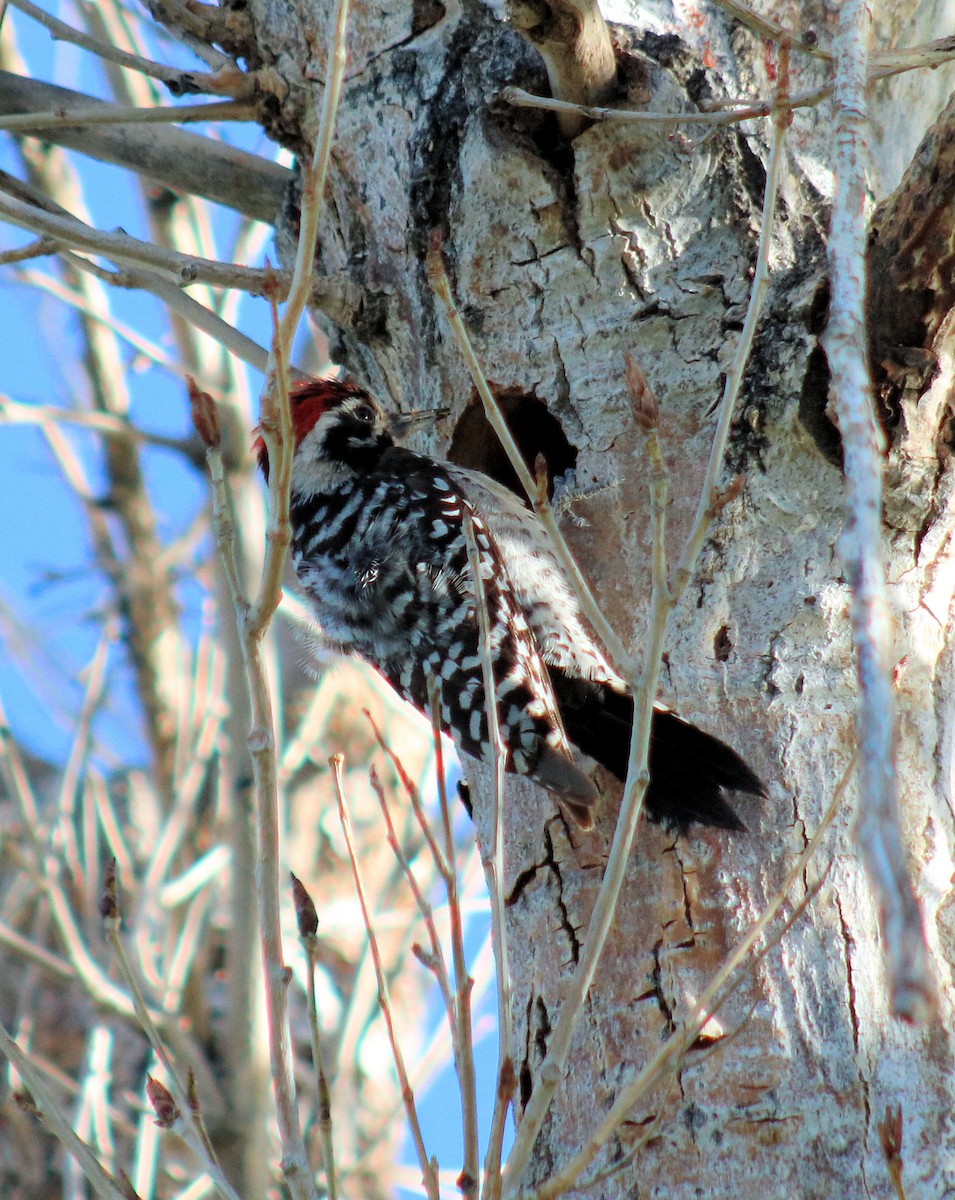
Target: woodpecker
{"points": [[379, 546]]}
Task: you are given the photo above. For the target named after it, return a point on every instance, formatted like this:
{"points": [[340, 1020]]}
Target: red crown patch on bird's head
{"points": [[308, 399]]}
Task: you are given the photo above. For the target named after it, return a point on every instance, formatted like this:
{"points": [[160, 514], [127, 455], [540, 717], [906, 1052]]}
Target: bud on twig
{"points": [[160, 1097], [109, 896], [890, 1137], [205, 415], [427, 960], [25, 1103], [305, 912], [541, 480], [643, 400]]}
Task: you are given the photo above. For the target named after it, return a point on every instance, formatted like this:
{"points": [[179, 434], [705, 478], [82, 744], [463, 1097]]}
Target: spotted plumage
{"points": [[378, 543]]}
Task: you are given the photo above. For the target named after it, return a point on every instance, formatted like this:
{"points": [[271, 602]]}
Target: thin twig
{"points": [[185, 306], [35, 953], [463, 1043], [670, 1055], [436, 962], [193, 1128], [429, 1167], [574, 40], [261, 743], [307, 925], [928, 55], [61, 291], [41, 248], [12, 412], [552, 1069], [911, 988], [663, 600], [100, 1180], [16, 778], [457, 1002], [120, 247], [180, 80], [441, 286], [444, 867], [111, 826], [519, 98], [219, 110], [78, 757], [199, 875], [889, 64], [99, 987], [773, 31], [180, 963], [276, 422], [494, 867], [706, 507], [188, 163]]}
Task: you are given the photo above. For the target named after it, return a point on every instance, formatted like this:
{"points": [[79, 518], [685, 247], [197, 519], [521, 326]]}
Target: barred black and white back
{"points": [[378, 543]]}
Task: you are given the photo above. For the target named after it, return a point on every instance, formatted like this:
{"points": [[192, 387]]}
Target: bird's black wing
{"points": [[689, 769]]}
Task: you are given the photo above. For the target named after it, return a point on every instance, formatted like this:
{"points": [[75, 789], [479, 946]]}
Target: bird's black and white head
{"points": [[338, 428]]}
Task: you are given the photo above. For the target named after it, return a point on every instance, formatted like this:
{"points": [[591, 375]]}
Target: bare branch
{"points": [[429, 1172], [766, 27], [38, 249], [332, 294], [435, 960], [724, 982], [492, 857], [441, 286], [731, 112], [573, 39], [35, 953], [463, 1043], [88, 116], [912, 992], [235, 83], [193, 1129], [185, 162], [519, 98], [638, 777], [275, 422], [177, 301], [663, 600], [261, 743], [705, 510], [307, 925], [120, 247], [102, 1182]]}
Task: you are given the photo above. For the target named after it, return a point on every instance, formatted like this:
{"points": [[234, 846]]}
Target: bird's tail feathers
{"points": [[689, 769]]}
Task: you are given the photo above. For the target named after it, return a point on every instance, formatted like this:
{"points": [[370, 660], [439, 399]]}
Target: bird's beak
{"points": [[403, 423]]}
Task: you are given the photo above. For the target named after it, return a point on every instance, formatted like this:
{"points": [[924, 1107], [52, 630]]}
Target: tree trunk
{"points": [[564, 257]]}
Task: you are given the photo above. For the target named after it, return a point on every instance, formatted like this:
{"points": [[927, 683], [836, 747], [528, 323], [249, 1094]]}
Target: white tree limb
{"points": [[911, 989]]}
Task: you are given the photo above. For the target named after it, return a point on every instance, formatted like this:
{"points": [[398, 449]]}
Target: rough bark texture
{"points": [[564, 257]]}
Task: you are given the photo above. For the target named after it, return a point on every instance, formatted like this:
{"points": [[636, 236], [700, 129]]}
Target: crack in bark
{"points": [[565, 922], [525, 1075], [657, 981], [521, 882], [687, 902], [847, 941]]}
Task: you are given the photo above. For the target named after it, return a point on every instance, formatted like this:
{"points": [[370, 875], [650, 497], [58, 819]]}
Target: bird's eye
{"points": [[364, 413]]}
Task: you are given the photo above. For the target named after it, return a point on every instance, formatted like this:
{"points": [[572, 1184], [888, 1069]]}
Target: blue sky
{"points": [[50, 599]]}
